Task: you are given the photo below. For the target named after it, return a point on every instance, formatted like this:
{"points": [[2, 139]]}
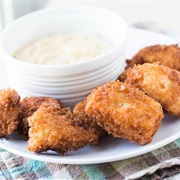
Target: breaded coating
{"points": [[9, 111], [85, 121], [160, 83], [122, 77], [125, 112], [58, 129], [165, 55], [28, 106]]}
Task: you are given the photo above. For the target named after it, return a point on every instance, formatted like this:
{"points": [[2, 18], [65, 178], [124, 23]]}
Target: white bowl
{"points": [[70, 89], [71, 19], [75, 79]]}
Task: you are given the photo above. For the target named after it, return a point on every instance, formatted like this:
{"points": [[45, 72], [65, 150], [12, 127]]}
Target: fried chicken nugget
{"points": [[165, 55], [9, 111], [160, 83], [58, 129], [125, 111], [28, 106]]}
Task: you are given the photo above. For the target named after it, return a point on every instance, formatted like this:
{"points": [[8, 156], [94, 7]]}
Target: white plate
{"points": [[109, 148]]}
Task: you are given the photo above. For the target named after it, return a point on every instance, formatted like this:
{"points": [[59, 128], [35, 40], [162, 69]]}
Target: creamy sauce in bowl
{"points": [[63, 49]]}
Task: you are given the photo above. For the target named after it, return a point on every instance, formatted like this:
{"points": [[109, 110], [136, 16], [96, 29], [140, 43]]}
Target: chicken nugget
{"points": [[125, 112], [160, 83], [9, 111], [165, 55], [55, 128], [28, 106]]}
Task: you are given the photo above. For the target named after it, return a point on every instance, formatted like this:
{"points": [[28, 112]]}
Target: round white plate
{"points": [[109, 148]]}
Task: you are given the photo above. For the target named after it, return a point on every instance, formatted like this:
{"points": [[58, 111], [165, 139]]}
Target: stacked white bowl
{"points": [[70, 83]]}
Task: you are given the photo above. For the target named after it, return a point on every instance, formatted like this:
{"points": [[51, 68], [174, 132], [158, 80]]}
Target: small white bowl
{"points": [[62, 90], [65, 80], [71, 19]]}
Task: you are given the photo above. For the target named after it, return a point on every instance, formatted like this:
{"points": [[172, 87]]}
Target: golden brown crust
{"points": [[160, 83], [9, 110], [55, 128], [125, 111], [87, 122], [28, 106], [122, 77], [165, 55]]}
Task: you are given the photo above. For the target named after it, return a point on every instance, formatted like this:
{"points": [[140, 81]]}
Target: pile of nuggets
{"points": [[131, 107]]}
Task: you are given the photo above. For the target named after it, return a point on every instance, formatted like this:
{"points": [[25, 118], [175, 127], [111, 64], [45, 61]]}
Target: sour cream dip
{"points": [[63, 49]]}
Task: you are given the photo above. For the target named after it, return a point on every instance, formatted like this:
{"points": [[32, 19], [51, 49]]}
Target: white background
{"points": [[162, 13]]}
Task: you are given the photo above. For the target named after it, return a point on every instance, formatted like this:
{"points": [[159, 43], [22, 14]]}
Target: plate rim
{"points": [[146, 149]]}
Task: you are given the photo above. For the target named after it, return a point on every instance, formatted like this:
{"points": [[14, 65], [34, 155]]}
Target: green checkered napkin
{"points": [[158, 164]]}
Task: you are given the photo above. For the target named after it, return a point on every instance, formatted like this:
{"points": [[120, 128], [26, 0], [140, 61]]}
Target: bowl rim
{"points": [[71, 65]]}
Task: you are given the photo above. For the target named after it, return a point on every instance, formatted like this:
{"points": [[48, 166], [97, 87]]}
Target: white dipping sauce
{"points": [[63, 49]]}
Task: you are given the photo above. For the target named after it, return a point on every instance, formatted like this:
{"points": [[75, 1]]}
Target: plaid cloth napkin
{"points": [[163, 163]]}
